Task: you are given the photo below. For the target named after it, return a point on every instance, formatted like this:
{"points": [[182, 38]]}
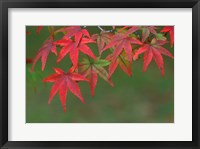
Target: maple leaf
{"points": [[64, 82], [146, 30], [130, 30], [91, 69], [120, 60], [44, 51], [122, 41], [153, 50], [102, 40], [38, 30], [75, 31], [169, 29], [70, 46]]}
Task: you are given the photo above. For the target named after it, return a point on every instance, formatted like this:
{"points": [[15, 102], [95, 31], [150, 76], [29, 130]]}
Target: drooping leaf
{"points": [[169, 29], [91, 69], [153, 51], [44, 51], [64, 82], [71, 47], [120, 42], [120, 60], [38, 30]]}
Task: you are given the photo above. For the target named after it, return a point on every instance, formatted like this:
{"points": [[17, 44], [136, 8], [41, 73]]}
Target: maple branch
{"points": [[100, 28], [110, 30], [104, 30]]}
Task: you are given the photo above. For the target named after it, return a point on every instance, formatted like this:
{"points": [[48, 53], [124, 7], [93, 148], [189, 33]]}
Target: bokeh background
{"points": [[143, 98]]}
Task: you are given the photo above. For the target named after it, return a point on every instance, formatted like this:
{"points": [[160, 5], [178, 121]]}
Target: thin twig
{"points": [[100, 28], [105, 30], [109, 30]]}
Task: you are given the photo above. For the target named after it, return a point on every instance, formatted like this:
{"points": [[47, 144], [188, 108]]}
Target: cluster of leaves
{"points": [[125, 43]]}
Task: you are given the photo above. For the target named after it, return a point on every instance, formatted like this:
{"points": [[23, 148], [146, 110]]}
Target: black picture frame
{"points": [[6, 4]]}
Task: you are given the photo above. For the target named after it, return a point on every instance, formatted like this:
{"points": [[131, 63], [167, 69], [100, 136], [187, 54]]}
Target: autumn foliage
{"points": [[125, 44]]}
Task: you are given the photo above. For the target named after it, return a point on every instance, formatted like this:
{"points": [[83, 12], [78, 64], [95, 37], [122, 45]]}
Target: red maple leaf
{"points": [[91, 69], [120, 60], [146, 30], [169, 29], [64, 82], [44, 51], [153, 50], [120, 42], [75, 31], [130, 30], [38, 30], [70, 46]]}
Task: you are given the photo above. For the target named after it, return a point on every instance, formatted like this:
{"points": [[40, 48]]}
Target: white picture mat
{"points": [[180, 130]]}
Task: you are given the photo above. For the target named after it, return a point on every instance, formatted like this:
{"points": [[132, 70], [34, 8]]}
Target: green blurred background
{"points": [[143, 98]]}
